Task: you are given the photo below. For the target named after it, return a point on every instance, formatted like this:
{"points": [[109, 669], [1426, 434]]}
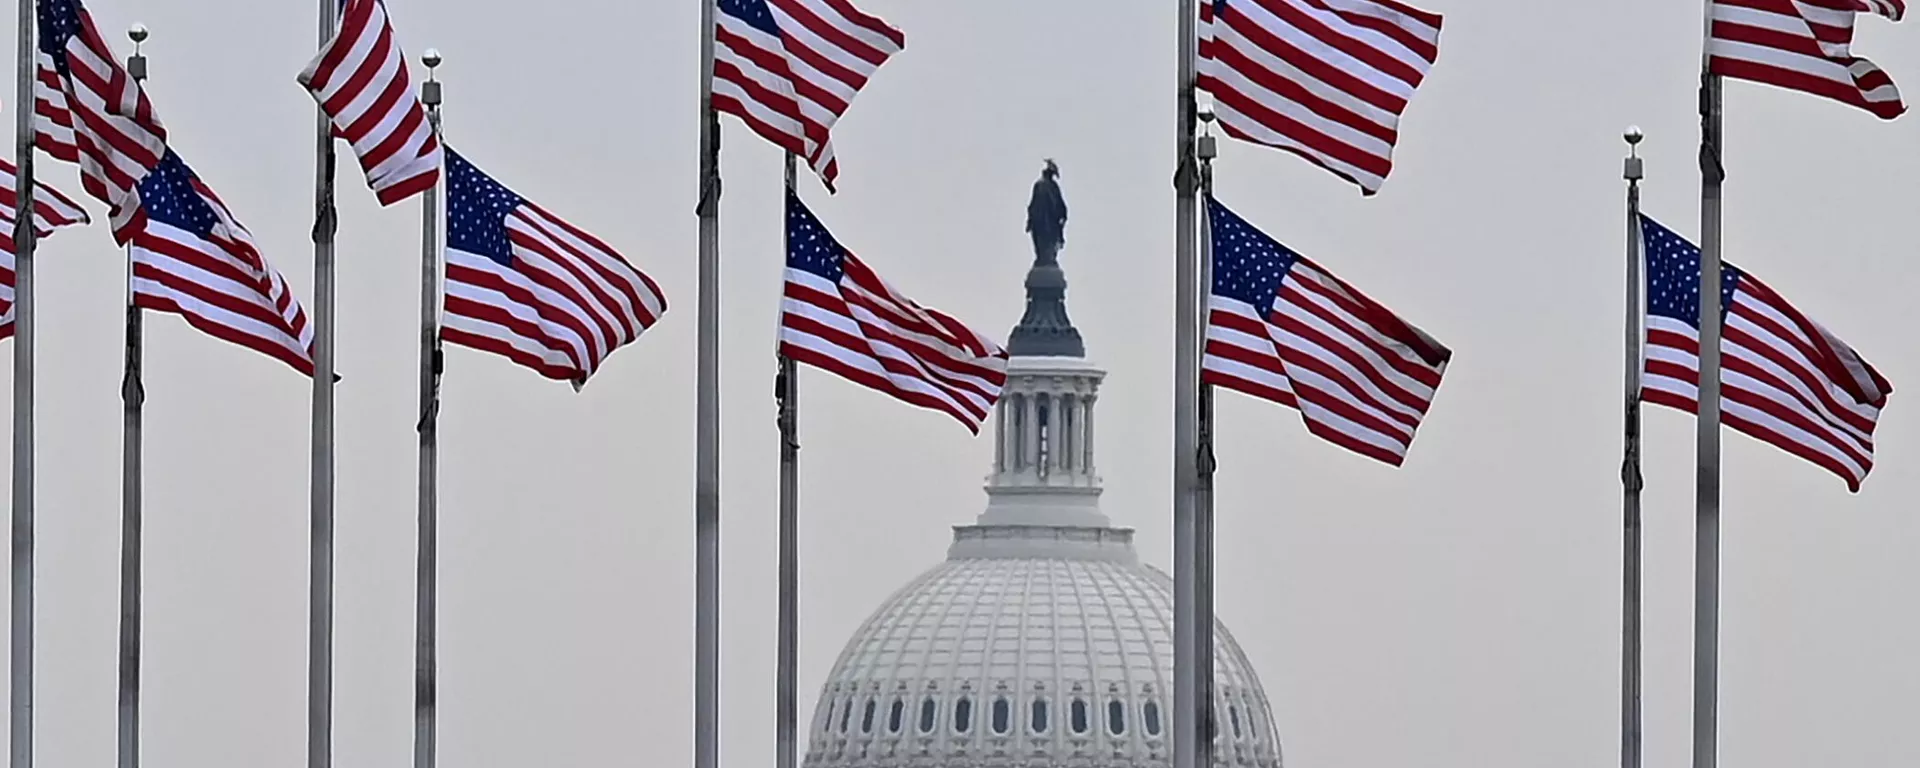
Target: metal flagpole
{"points": [[787, 394], [20, 687], [426, 595], [133, 398], [320, 557], [1630, 479], [706, 653], [1706, 564], [1188, 697], [1206, 149]]}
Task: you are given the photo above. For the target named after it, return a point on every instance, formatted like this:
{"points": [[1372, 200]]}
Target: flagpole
{"points": [[426, 683], [1189, 696], [20, 687], [706, 674], [1206, 148], [1706, 567], [787, 394], [320, 556], [133, 398], [1630, 478]]}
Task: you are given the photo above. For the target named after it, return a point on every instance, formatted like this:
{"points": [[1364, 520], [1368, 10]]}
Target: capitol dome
{"points": [[1042, 640]]}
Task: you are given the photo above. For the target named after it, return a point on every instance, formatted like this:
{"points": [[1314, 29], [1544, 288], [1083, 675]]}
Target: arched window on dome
{"points": [[1039, 720], [1116, 718], [866, 717], [895, 715], [928, 713], [1150, 717], [846, 713], [826, 719], [963, 715], [1077, 715], [1233, 715], [1002, 716]]}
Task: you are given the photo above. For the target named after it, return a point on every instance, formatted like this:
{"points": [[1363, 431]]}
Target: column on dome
{"points": [[1056, 434], [1016, 430], [1086, 422], [1069, 432], [1030, 436], [1000, 437]]}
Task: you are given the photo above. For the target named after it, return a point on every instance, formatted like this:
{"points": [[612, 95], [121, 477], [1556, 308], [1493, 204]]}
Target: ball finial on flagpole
{"points": [[137, 63], [1633, 135], [430, 90]]}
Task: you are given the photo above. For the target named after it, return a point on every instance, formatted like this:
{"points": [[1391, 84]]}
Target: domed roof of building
{"points": [[998, 657], [1042, 640]]}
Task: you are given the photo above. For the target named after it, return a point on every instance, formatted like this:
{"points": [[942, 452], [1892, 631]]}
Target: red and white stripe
{"points": [[792, 87], [51, 211], [1802, 45], [1784, 380], [221, 285], [866, 332], [99, 117], [1361, 377], [568, 301], [360, 80], [1324, 79]]}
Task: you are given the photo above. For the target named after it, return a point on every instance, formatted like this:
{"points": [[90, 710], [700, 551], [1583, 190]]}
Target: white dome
{"points": [[1042, 641], [1005, 657]]}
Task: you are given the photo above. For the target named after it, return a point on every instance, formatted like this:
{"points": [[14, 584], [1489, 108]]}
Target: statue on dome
{"points": [[1047, 216]]}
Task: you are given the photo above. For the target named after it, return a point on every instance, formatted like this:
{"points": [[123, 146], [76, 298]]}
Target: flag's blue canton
{"points": [[168, 196], [810, 247], [1247, 265], [1673, 276], [753, 12], [59, 22], [477, 208]]}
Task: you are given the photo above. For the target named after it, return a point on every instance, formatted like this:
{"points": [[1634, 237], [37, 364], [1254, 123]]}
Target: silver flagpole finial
{"points": [[430, 90], [1635, 169], [137, 33]]}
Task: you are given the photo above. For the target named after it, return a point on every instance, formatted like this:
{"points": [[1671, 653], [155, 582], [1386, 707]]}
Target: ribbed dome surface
{"points": [[993, 658]]}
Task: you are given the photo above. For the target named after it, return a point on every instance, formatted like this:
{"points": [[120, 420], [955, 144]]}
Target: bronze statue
{"points": [[1047, 216]]}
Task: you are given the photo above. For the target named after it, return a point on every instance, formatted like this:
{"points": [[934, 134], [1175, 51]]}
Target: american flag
{"points": [[360, 80], [1324, 79], [1784, 379], [1280, 328], [51, 211], [90, 111], [837, 315], [1802, 45], [192, 258], [523, 284], [790, 68]]}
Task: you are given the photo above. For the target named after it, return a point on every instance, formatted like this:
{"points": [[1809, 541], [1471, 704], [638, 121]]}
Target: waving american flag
{"points": [[1324, 79], [839, 316], [51, 211], [1803, 45], [192, 258], [790, 68], [1282, 329], [360, 80], [89, 110], [1784, 380], [526, 285]]}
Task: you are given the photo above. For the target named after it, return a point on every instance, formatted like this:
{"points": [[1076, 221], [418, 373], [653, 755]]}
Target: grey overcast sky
{"points": [[1462, 612]]}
